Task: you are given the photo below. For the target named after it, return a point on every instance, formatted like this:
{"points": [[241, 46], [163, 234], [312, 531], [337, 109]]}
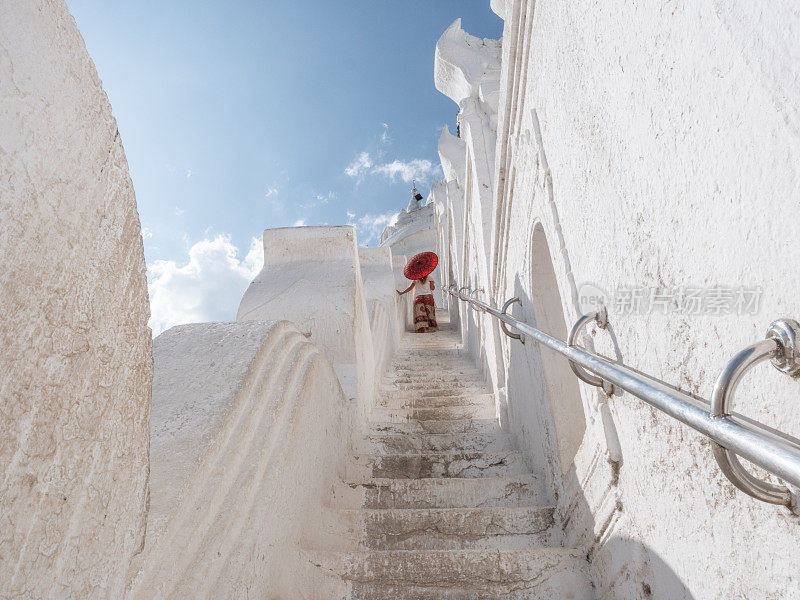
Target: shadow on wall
{"points": [[621, 568], [549, 421], [544, 406], [546, 313], [633, 571]]}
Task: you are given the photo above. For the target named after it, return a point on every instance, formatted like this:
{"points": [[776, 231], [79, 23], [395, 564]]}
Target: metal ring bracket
{"points": [[781, 347], [504, 327], [472, 295], [601, 319]]}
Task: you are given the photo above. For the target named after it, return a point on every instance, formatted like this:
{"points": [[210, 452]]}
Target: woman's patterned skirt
{"points": [[425, 313]]}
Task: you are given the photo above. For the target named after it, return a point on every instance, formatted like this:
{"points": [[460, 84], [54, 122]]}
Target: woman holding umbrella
{"points": [[418, 270]]}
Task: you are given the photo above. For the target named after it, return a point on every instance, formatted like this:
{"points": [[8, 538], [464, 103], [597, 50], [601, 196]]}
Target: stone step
{"points": [[430, 352], [444, 340], [408, 357], [434, 389], [412, 358], [444, 334], [403, 400], [413, 342], [489, 426], [534, 573], [433, 367], [453, 528], [425, 356], [373, 591], [426, 375], [442, 492], [414, 375], [417, 443], [427, 380], [442, 413], [461, 465]]}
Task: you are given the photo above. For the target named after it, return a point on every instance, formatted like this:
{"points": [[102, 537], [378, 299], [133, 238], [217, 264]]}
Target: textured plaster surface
{"points": [[655, 146], [386, 325], [405, 307], [248, 441], [312, 277], [75, 369]]}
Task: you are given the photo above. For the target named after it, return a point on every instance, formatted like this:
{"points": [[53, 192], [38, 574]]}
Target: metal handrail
{"points": [[737, 436]]}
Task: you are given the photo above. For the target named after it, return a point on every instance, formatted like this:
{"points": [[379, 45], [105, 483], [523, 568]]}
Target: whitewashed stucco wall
{"points": [[312, 277], [652, 146], [76, 362], [386, 325], [249, 440]]}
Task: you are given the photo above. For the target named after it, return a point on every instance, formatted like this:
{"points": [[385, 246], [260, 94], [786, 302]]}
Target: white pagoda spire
{"points": [[416, 199]]}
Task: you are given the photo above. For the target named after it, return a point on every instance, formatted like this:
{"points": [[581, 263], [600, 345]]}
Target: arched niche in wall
{"points": [[562, 386]]}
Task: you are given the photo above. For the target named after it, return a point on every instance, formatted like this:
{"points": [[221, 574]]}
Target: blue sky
{"points": [[237, 117]]}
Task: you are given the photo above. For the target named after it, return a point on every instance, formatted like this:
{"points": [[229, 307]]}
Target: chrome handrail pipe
{"points": [[776, 452]]}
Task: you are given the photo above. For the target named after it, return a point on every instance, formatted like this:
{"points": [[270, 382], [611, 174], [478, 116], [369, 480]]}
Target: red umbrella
{"points": [[421, 265]]}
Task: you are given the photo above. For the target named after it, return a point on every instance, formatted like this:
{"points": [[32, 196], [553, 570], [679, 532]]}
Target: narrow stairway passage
{"points": [[446, 506]]}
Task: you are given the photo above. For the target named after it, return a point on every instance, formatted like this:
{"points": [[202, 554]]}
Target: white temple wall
{"points": [[249, 439], [467, 69], [312, 277], [76, 361], [386, 322], [643, 147], [405, 307]]}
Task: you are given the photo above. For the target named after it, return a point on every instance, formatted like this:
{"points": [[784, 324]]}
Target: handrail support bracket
{"points": [[600, 318], [504, 327]]}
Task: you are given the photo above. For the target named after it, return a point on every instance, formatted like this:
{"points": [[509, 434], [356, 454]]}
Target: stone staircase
{"points": [[444, 505]]}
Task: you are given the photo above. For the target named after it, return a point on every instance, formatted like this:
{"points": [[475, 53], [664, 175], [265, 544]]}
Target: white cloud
{"points": [[299, 223], [207, 288], [385, 137], [316, 200], [147, 233], [324, 199], [369, 227], [179, 211], [188, 173], [271, 191], [417, 169], [359, 166], [254, 259]]}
